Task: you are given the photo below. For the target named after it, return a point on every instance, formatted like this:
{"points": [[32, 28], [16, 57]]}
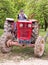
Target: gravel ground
{"points": [[30, 61]]}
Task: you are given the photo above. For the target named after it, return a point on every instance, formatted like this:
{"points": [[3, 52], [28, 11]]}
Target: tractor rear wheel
{"points": [[35, 32], [3, 41], [39, 46]]}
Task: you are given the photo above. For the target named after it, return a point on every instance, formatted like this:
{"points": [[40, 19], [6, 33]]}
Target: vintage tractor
{"points": [[22, 33]]}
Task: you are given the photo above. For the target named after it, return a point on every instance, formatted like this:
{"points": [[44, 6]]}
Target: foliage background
{"points": [[37, 9]]}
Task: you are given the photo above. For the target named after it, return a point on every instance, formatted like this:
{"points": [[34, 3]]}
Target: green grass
{"points": [[1, 32], [28, 52], [42, 32]]}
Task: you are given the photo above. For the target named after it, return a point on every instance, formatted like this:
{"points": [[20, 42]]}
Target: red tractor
{"points": [[22, 33]]}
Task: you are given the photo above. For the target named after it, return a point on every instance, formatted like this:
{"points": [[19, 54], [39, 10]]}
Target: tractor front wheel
{"points": [[39, 46]]}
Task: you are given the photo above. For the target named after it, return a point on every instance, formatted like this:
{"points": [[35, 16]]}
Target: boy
{"points": [[22, 16]]}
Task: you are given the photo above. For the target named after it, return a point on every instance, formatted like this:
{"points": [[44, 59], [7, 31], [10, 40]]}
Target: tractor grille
{"points": [[24, 34]]}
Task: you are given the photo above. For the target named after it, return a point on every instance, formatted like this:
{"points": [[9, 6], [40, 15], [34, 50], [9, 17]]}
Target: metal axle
{"points": [[12, 43]]}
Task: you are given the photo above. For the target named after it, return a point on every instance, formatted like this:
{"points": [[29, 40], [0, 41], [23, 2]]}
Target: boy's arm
{"points": [[18, 16]]}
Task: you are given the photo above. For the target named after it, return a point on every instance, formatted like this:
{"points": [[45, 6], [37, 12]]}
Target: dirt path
{"points": [[30, 61], [28, 58]]}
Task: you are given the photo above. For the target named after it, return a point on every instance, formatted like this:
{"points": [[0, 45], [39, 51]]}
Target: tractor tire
{"points": [[3, 42], [7, 27], [39, 46], [35, 32]]}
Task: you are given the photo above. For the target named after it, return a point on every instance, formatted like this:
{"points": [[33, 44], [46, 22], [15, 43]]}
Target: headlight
{"points": [[29, 25], [21, 25]]}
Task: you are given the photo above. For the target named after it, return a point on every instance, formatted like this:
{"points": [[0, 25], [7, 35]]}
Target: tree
{"points": [[6, 10], [37, 9], [43, 11], [9, 8]]}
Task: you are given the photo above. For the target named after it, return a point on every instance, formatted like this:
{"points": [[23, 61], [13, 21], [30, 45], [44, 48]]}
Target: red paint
{"points": [[24, 32]]}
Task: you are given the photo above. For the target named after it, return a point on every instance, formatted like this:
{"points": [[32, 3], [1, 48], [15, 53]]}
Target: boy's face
{"points": [[22, 12]]}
